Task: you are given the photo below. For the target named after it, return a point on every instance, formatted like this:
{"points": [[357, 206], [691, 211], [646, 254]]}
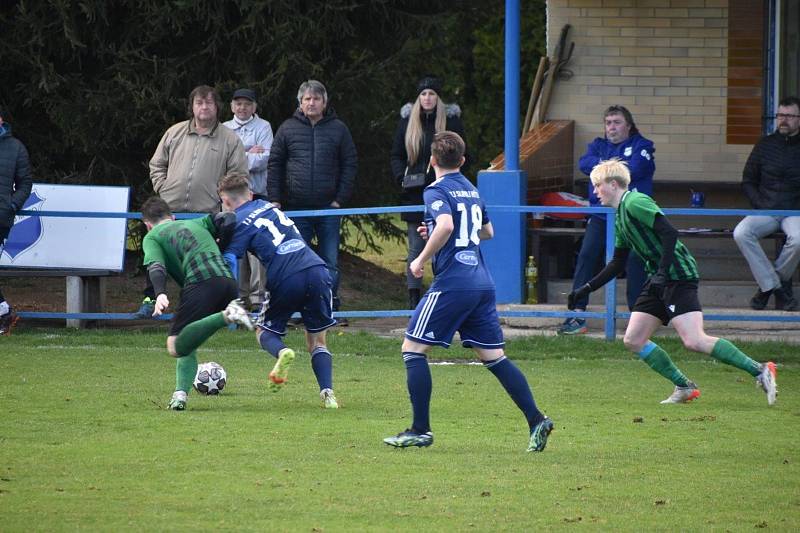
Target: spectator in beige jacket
{"points": [[194, 155], [189, 162]]}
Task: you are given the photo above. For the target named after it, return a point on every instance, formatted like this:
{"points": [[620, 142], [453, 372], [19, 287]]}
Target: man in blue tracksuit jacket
{"points": [[623, 141]]}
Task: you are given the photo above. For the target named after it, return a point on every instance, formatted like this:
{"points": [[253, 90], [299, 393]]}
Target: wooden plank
{"points": [[535, 90]]}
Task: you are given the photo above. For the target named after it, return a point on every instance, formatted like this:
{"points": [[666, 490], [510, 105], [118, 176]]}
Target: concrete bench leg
{"points": [[74, 300], [85, 295]]}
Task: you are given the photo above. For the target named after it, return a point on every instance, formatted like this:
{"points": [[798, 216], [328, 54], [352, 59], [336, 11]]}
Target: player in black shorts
{"points": [[187, 251], [670, 295]]}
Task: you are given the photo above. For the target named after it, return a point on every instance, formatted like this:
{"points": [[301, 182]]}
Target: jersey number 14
{"points": [[277, 235]]}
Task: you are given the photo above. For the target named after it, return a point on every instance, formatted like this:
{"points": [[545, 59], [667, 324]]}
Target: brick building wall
{"points": [[667, 61]]}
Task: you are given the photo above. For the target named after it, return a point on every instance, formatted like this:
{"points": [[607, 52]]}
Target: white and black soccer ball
{"points": [[210, 378]]}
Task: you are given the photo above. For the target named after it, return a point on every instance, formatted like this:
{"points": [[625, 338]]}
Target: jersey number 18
{"points": [[465, 233]]}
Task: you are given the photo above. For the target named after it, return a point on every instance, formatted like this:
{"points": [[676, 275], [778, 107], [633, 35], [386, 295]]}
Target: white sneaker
{"points": [[767, 381], [178, 401], [328, 399], [235, 313], [683, 394]]}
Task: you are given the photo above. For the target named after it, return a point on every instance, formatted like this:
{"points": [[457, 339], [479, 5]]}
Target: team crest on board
{"points": [[27, 229]]}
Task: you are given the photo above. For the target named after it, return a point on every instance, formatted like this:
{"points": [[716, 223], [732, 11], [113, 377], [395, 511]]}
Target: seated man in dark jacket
{"points": [[15, 187], [313, 165], [771, 180]]}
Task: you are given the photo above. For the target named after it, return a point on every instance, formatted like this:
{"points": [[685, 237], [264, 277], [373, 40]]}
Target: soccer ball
{"points": [[210, 378]]}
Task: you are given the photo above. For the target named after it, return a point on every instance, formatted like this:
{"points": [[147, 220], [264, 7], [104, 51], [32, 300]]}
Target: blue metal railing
{"points": [[609, 315]]}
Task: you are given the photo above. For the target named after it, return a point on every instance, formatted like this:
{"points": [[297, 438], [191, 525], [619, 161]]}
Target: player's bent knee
{"points": [[633, 343], [694, 345], [413, 346], [314, 346], [315, 341], [487, 355]]}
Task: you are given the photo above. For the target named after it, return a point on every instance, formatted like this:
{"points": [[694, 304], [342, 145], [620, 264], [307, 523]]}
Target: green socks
{"points": [[657, 359], [192, 336], [723, 351], [196, 333], [729, 354], [185, 371]]}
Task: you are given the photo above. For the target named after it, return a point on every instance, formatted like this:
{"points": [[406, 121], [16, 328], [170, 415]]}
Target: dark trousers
{"points": [[326, 230]]}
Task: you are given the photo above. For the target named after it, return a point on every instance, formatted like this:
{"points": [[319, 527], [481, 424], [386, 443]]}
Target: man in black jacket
{"points": [[771, 180], [15, 187], [313, 165]]}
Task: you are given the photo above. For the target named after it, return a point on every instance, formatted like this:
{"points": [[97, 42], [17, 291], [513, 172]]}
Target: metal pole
{"points": [[512, 86], [611, 286]]}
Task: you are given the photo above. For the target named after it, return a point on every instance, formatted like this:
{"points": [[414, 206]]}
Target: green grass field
{"points": [[86, 443]]}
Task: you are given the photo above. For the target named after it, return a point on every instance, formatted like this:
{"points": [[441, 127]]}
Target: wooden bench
{"points": [[536, 237], [86, 289]]}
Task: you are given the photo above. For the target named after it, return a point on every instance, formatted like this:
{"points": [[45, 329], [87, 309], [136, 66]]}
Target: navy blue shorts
{"points": [[472, 313], [307, 292]]}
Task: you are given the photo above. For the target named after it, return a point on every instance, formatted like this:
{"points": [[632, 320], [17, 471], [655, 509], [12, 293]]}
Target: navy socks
{"points": [[271, 342], [418, 379], [322, 365], [513, 380]]}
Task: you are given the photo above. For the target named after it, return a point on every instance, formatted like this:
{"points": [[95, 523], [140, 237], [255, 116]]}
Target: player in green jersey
{"points": [[188, 252], [670, 295]]}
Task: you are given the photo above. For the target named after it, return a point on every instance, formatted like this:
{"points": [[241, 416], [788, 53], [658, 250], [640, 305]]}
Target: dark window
{"points": [[789, 75]]}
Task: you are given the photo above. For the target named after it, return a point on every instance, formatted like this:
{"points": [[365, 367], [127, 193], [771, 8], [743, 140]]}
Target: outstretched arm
{"points": [[609, 272]]}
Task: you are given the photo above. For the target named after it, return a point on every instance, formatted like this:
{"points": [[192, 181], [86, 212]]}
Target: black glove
{"points": [[224, 223], [658, 282], [579, 293]]}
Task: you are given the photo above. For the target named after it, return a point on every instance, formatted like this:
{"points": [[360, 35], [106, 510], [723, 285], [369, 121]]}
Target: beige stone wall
{"points": [[666, 60]]}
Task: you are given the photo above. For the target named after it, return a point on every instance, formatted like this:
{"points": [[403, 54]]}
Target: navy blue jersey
{"points": [[458, 265], [265, 231]]}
